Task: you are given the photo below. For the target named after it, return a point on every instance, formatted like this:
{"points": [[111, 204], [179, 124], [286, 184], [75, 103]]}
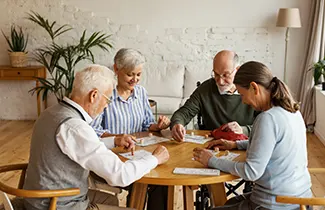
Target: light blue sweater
{"points": [[276, 158]]}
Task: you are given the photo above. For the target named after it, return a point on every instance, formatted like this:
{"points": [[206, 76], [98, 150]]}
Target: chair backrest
{"points": [[52, 194], [6, 201], [303, 202], [199, 115]]}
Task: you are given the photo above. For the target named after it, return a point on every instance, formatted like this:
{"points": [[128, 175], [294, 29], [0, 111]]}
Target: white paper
{"points": [[150, 140], [197, 171], [188, 138], [196, 139], [138, 154]]}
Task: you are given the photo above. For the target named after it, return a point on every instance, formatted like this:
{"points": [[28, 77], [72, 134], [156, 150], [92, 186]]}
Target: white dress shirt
{"points": [[77, 139]]}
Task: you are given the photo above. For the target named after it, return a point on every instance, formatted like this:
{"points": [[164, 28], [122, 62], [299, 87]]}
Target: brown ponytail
{"points": [[257, 72]]}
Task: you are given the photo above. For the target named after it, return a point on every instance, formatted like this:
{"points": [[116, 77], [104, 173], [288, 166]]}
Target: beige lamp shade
{"points": [[288, 17]]}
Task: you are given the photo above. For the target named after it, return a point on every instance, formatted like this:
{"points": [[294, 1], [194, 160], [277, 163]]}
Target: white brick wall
{"points": [[189, 48]]}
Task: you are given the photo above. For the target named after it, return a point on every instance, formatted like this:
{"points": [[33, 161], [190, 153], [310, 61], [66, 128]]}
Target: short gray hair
{"points": [[128, 59], [93, 77]]}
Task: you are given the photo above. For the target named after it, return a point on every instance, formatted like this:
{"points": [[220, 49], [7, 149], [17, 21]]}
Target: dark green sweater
{"points": [[215, 109]]}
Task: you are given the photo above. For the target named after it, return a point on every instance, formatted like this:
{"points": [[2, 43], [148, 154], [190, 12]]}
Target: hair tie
{"points": [[274, 79]]}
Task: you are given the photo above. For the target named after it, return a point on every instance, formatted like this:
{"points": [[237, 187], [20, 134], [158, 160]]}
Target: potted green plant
{"points": [[319, 70], [61, 59], [17, 45]]}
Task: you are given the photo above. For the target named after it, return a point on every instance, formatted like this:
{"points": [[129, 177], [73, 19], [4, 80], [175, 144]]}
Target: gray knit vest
{"points": [[49, 168]]}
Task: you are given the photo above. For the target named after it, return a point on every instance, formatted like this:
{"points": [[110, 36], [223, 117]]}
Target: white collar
{"points": [[77, 106]]}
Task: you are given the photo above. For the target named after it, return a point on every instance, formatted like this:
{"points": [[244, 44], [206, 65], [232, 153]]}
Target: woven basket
{"points": [[18, 59]]}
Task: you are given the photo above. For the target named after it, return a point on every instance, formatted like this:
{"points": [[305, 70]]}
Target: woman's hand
{"points": [[163, 123], [202, 155], [222, 144]]}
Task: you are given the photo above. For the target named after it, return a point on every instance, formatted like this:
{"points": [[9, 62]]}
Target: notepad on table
{"points": [[150, 140], [138, 154]]}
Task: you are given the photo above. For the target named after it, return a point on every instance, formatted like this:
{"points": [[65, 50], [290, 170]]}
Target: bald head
{"points": [[224, 57], [225, 64]]}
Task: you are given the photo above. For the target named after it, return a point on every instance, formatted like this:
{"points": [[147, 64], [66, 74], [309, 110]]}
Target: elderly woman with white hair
{"points": [[129, 110]]}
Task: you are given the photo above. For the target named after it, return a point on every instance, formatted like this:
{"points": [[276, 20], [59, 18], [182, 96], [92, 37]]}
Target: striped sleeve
{"points": [[98, 124], [148, 116]]}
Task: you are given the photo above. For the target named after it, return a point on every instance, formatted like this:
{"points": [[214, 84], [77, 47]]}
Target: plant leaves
{"points": [[61, 59]]}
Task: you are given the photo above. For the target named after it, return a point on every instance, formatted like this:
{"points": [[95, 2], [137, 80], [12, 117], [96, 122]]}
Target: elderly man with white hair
{"points": [[64, 147]]}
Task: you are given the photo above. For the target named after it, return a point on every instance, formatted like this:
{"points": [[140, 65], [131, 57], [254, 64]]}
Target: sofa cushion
{"points": [[195, 72], [166, 105], [166, 81]]}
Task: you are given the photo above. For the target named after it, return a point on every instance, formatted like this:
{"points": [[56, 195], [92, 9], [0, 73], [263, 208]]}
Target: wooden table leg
{"points": [[138, 196], [218, 194], [170, 200], [188, 198], [38, 101]]}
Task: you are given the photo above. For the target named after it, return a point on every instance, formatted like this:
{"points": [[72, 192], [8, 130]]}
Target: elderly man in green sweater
{"points": [[217, 100]]}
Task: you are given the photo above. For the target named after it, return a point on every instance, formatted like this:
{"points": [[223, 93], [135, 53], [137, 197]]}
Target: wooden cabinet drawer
{"points": [[18, 73]]}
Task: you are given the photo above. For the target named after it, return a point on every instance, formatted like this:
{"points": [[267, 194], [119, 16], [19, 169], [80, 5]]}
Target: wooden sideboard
{"points": [[25, 73]]}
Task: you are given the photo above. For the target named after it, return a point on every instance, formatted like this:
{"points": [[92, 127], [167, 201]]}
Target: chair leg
{"points": [[53, 203], [22, 179]]}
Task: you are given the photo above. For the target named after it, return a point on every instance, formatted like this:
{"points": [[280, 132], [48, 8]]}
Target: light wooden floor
{"points": [[15, 140]]}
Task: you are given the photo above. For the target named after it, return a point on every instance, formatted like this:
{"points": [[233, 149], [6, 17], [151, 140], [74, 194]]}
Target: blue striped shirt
{"points": [[125, 116]]}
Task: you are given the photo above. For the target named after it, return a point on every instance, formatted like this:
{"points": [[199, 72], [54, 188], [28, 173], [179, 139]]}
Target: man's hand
{"points": [[202, 155], [232, 126], [126, 141], [222, 144], [161, 153], [178, 132]]}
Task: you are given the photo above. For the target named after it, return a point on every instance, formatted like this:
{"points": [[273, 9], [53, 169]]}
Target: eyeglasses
{"points": [[223, 76], [105, 96]]}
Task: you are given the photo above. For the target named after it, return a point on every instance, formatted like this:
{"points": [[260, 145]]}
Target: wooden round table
{"points": [[180, 156]]}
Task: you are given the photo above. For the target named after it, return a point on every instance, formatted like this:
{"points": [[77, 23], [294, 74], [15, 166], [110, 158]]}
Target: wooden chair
{"points": [[6, 202], [303, 202], [97, 183], [19, 192]]}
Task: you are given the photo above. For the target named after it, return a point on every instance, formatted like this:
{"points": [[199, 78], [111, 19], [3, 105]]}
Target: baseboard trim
{"points": [[319, 135]]}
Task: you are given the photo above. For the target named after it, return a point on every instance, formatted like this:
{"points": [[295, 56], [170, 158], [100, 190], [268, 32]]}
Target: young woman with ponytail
{"points": [[276, 150]]}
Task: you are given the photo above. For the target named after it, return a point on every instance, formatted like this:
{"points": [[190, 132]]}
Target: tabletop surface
{"points": [[181, 156]]}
